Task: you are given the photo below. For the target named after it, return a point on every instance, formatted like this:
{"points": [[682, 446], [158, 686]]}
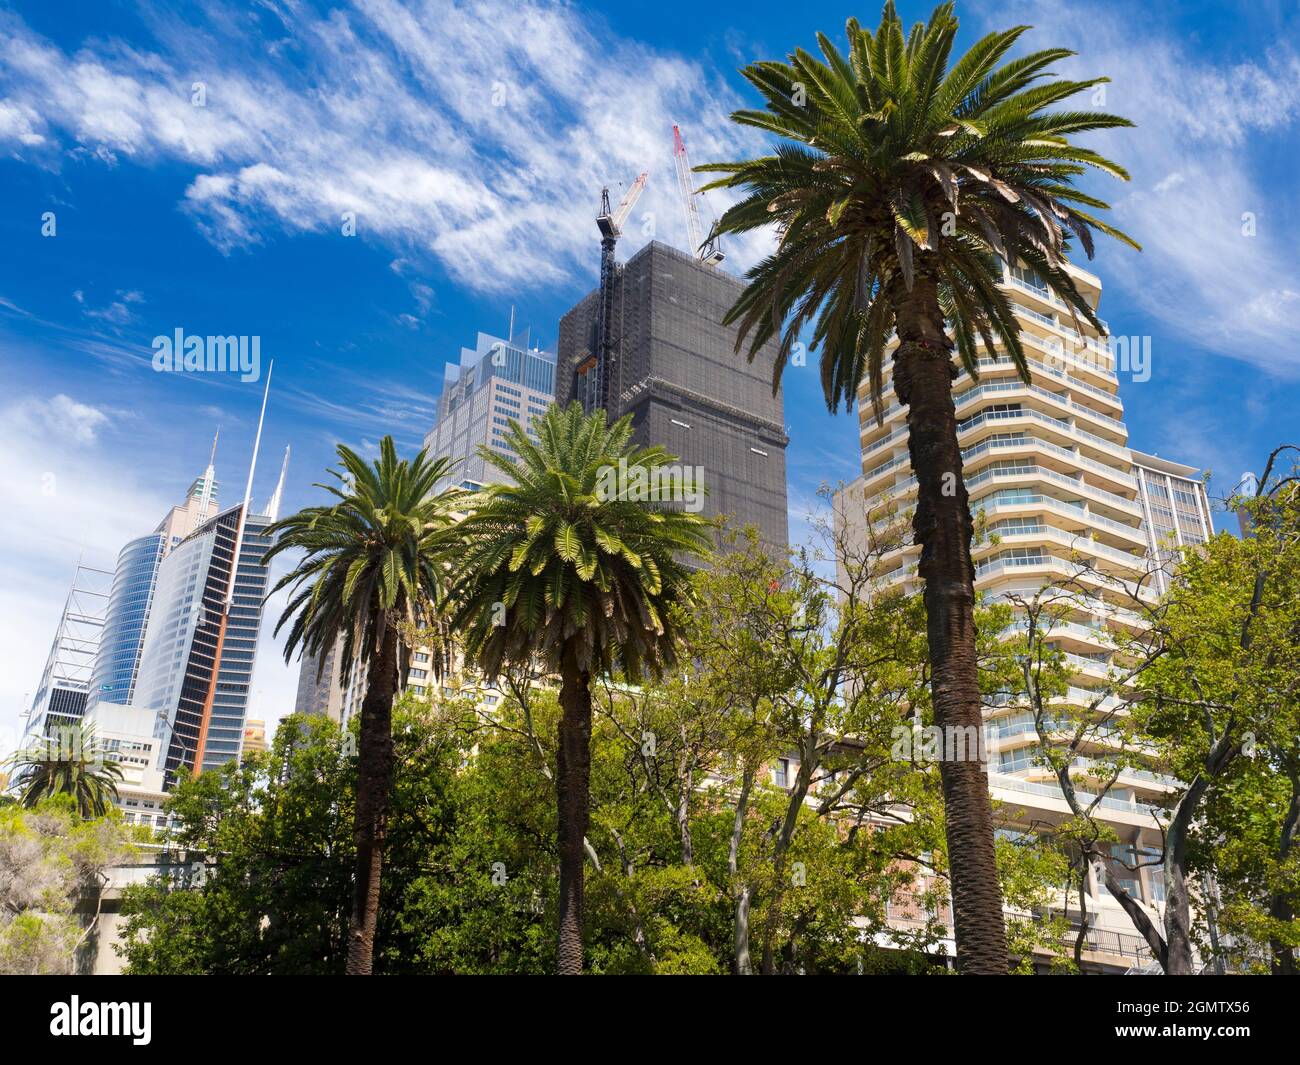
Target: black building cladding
{"points": [[676, 371]]}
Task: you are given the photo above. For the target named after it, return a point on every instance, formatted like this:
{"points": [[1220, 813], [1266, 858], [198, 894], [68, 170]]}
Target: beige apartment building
{"points": [[1058, 497]]}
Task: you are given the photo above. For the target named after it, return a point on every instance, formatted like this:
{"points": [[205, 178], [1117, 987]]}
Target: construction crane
{"points": [[707, 252], [595, 372]]}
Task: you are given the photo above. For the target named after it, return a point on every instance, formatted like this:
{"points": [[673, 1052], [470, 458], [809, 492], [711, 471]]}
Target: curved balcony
{"points": [[1045, 564], [1000, 390], [1032, 471], [1037, 367], [1064, 454], [1081, 545]]}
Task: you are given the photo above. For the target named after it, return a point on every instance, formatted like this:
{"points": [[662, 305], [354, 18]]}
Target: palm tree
{"points": [[572, 565], [370, 566], [902, 185], [71, 762]]}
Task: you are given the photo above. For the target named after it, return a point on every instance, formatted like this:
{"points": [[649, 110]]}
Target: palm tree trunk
{"points": [[923, 374], [572, 788], [374, 786]]}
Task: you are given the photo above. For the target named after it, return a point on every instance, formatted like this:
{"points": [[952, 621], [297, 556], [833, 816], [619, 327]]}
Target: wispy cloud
{"points": [[1218, 267], [62, 496], [443, 137]]}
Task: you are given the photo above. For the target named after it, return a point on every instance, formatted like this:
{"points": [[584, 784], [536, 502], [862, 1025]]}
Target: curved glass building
{"points": [[196, 666], [118, 661]]}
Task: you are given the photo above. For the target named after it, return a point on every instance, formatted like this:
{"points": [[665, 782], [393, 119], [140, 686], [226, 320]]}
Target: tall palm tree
{"points": [[902, 184], [370, 565], [71, 762], [573, 565]]}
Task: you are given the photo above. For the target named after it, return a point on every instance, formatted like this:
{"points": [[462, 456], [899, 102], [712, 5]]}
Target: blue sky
{"points": [[471, 142]]}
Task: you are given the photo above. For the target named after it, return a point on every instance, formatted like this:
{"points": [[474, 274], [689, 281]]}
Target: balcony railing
{"points": [[1053, 791], [1133, 532], [994, 388], [1052, 449], [1119, 450], [1036, 367], [1056, 323], [1049, 561], [1079, 544], [1033, 470]]}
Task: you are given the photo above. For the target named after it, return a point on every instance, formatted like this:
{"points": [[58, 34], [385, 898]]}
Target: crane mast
{"points": [[595, 372], [706, 251]]}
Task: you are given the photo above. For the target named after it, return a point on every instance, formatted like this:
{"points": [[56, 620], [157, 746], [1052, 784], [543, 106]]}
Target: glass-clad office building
{"points": [[496, 381], [122, 638], [197, 664]]}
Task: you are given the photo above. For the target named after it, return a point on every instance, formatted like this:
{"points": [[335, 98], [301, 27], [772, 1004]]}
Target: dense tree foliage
{"points": [[53, 867]]}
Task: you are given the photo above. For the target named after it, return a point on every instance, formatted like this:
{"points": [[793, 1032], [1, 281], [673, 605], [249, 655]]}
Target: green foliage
{"points": [[52, 870], [1222, 705], [371, 559], [274, 839], [554, 562], [71, 762]]}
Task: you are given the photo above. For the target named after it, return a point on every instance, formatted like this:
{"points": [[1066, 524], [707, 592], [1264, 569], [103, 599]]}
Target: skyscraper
{"points": [[189, 694], [319, 689], [117, 663], [496, 380], [200, 646], [675, 370]]}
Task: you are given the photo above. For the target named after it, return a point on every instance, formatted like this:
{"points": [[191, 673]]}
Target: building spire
{"points": [[248, 493], [273, 506], [209, 478]]}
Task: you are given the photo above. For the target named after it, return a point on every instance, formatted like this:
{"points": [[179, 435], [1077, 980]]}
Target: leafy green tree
{"points": [[370, 566], [53, 865], [69, 762], [901, 186], [1246, 846], [570, 564], [1226, 689], [260, 878], [1088, 737]]}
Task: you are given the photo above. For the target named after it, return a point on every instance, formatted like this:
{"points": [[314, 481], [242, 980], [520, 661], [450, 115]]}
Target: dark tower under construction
{"points": [[653, 335]]}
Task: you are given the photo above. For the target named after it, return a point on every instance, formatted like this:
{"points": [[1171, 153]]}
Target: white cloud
{"points": [[58, 503], [16, 124], [67, 493], [446, 137], [1198, 178], [59, 416]]}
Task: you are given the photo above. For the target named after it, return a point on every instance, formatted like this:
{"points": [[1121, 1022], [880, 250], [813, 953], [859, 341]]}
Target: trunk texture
{"points": [[1178, 921], [1178, 902], [744, 964], [803, 780], [943, 527], [1143, 923], [572, 785], [374, 787], [1280, 906]]}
